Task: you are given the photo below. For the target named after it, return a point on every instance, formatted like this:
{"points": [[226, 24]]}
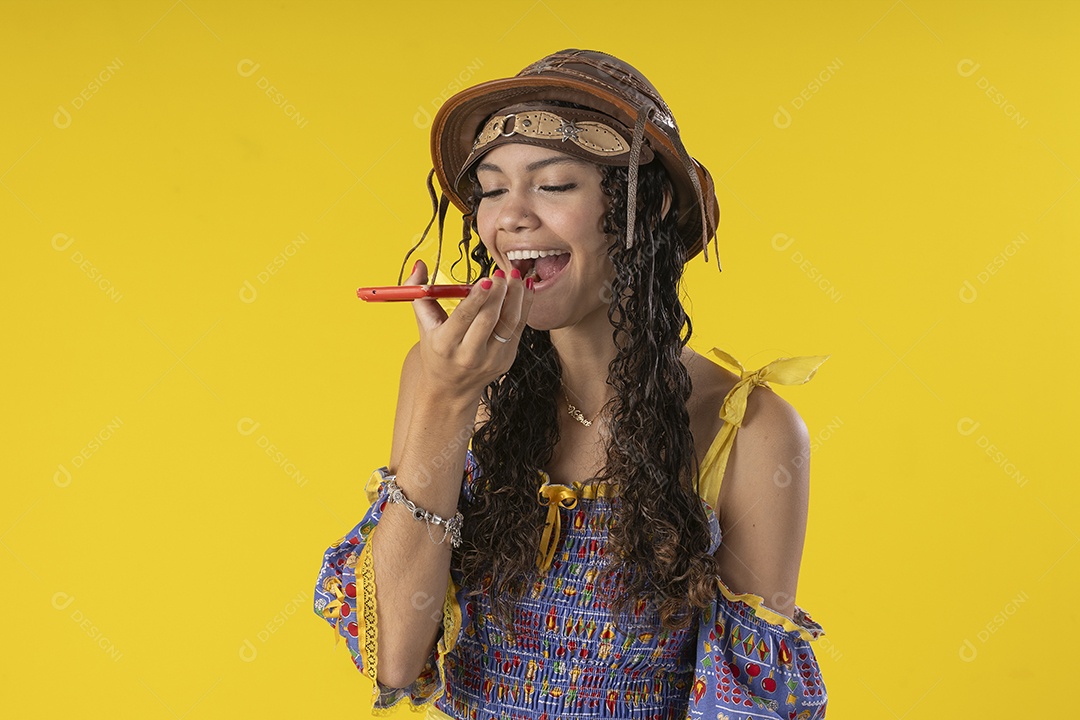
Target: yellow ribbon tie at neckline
{"points": [[556, 496]]}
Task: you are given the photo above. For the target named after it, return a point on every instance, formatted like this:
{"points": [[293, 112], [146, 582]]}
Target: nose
{"points": [[516, 213]]}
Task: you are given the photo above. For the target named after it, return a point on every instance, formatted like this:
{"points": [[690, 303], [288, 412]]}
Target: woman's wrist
{"points": [[446, 398]]}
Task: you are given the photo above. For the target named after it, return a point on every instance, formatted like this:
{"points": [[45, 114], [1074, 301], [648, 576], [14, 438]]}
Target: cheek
{"points": [[485, 222], [584, 221], [596, 213], [588, 225]]}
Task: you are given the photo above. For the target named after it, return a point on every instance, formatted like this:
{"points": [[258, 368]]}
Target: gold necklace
{"points": [[577, 414]]}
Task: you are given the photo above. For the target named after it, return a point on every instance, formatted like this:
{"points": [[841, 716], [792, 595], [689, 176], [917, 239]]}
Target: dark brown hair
{"points": [[658, 544]]}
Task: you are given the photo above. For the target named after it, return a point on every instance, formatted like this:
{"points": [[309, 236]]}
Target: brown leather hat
{"points": [[629, 124]]}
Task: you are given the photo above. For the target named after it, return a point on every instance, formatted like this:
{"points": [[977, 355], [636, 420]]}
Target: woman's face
{"points": [[538, 201]]}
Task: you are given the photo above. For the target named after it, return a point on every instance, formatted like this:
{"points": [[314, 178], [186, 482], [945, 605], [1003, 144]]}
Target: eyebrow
{"points": [[533, 166]]}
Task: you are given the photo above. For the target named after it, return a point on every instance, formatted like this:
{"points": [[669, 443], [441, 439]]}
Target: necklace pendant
{"points": [[577, 415]]}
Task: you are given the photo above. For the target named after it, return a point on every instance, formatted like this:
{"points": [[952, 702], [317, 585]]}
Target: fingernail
{"points": [[529, 283], [499, 273], [486, 283], [516, 274], [415, 265]]}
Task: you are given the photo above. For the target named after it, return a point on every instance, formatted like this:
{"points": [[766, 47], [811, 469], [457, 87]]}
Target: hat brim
{"points": [[461, 117]]}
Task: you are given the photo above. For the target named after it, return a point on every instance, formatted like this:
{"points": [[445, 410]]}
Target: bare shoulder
{"points": [[770, 455], [764, 497], [772, 440], [764, 502], [770, 420], [773, 433]]}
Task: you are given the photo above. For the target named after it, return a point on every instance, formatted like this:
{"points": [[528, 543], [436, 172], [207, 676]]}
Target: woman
{"points": [[558, 449]]}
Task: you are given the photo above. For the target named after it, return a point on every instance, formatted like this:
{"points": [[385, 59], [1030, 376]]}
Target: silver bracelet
{"points": [[451, 527]]}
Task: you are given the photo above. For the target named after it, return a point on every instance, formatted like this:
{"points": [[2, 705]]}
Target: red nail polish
{"points": [[529, 283], [499, 273], [516, 274], [415, 265], [486, 283]]}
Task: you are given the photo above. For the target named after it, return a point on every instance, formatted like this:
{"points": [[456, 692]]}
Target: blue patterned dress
{"points": [[568, 660]]}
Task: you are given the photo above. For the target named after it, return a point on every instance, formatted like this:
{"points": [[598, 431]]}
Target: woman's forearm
{"points": [[412, 572]]}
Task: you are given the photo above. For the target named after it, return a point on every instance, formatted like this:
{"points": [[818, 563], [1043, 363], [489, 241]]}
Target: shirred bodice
{"points": [[568, 658]]}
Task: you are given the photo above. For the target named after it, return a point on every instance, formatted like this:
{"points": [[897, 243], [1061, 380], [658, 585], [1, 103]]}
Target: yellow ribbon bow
{"points": [[555, 496], [785, 371]]}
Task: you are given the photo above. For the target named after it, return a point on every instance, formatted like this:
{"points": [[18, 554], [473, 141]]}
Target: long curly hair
{"points": [[658, 544]]}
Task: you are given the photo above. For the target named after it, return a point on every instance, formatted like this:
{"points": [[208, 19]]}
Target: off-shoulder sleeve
{"points": [[753, 662], [345, 599]]}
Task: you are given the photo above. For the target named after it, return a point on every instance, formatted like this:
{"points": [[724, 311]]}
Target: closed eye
{"points": [[545, 188]]}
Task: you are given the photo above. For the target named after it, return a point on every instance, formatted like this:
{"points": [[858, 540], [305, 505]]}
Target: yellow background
{"points": [[159, 563]]}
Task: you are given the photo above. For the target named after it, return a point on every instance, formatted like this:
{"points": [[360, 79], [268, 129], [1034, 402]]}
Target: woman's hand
{"points": [[462, 353], [442, 379]]}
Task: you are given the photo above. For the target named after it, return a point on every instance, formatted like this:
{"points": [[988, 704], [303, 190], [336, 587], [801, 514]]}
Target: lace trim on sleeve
{"points": [[369, 630], [802, 624]]}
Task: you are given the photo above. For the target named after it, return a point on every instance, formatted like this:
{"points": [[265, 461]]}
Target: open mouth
{"points": [[543, 264]]}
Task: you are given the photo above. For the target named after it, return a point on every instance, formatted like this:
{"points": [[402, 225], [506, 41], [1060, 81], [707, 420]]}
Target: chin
{"points": [[543, 319], [542, 324]]}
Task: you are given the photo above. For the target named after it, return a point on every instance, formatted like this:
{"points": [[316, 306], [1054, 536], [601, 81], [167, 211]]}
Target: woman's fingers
{"points": [[510, 324], [527, 297], [502, 322], [493, 314], [465, 316], [429, 314], [452, 328], [483, 322]]}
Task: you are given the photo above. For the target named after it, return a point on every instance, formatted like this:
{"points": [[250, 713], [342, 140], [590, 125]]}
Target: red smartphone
{"points": [[398, 293]]}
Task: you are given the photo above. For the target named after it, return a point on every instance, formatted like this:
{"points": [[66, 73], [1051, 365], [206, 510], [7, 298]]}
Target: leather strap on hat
{"points": [[588, 135], [593, 137], [631, 192]]}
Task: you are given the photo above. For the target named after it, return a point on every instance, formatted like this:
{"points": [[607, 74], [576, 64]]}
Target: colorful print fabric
{"points": [[568, 660]]}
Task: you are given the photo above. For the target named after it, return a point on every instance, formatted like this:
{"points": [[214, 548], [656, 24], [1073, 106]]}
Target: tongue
{"points": [[550, 265]]}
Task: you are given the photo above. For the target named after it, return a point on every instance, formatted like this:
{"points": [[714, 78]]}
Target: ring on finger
{"points": [[500, 338]]}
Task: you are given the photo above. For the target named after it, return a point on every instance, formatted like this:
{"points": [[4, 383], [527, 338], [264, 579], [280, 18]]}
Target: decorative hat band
{"points": [[589, 135], [596, 137]]}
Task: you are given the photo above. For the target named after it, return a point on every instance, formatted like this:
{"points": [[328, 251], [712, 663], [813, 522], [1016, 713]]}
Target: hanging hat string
{"points": [[691, 170], [635, 153]]}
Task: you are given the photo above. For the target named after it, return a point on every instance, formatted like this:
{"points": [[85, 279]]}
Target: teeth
{"points": [[530, 254]]}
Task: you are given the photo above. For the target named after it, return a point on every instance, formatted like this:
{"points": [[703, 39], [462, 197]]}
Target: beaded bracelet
{"points": [[451, 527]]}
